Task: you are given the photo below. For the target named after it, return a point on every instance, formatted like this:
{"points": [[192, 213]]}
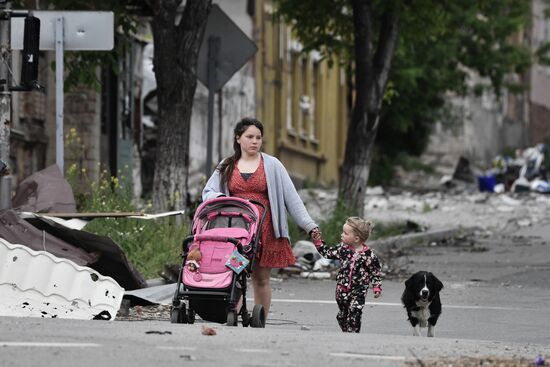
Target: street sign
{"points": [[66, 30], [224, 50], [83, 30], [235, 48]]}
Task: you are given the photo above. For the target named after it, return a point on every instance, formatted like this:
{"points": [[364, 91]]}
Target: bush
{"points": [[149, 244]]}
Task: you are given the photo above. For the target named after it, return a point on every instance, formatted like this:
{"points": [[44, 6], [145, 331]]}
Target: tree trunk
{"points": [[175, 62], [371, 76]]}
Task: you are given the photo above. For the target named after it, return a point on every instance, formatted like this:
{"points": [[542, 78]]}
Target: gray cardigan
{"points": [[281, 192]]}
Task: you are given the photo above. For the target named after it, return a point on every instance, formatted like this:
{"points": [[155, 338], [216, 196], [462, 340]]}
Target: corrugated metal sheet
{"points": [[159, 294], [84, 248], [39, 284]]}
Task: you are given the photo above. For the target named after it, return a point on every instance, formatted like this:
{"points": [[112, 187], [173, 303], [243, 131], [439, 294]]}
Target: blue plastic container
{"points": [[487, 183]]}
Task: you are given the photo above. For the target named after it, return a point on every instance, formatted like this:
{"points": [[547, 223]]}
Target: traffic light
{"points": [[30, 54]]}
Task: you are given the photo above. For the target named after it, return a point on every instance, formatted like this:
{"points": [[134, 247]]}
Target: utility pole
{"points": [[5, 102]]}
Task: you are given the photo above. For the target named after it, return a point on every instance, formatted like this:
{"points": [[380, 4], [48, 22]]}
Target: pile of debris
{"points": [[43, 231], [309, 264], [524, 172]]}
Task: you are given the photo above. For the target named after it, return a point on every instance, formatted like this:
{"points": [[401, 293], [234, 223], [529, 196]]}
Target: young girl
{"points": [[360, 268]]}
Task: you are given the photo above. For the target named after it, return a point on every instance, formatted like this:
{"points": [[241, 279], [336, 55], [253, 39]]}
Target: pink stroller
{"points": [[217, 259]]}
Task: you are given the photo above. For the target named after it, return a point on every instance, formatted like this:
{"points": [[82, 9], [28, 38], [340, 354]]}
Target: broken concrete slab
{"points": [[45, 191], [39, 284]]}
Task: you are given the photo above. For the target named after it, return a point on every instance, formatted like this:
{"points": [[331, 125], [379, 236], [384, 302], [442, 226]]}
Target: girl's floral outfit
{"points": [[359, 269]]}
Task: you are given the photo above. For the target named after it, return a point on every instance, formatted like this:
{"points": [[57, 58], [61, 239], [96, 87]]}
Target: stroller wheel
{"points": [[191, 316], [258, 317], [232, 318], [246, 319], [178, 315]]}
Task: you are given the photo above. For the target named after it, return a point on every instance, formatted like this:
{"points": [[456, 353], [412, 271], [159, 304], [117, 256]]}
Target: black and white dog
{"points": [[421, 299]]}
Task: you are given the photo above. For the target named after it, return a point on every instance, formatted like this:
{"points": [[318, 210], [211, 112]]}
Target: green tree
{"points": [[428, 46]]}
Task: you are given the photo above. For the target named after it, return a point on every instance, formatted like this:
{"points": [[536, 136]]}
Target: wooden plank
{"points": [[93, 215]]}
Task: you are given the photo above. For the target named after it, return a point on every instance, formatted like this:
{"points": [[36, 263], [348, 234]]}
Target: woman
{"points": [[254, 175]]}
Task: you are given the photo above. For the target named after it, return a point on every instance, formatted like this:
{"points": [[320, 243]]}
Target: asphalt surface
{"points": [[496, 303]]}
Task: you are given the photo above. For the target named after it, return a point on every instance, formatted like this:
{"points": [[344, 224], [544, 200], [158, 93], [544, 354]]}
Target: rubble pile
{"points": [[309, 264], [459, 206], [526, 171], [439, 209]]}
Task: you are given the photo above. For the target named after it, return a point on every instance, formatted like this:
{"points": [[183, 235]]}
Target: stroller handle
{"points": [[258, 203]]}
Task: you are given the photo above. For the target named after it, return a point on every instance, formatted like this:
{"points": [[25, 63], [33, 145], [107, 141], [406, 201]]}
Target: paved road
{"points": [[63, 343], [302, 331], [496, 303], [470, 311]]}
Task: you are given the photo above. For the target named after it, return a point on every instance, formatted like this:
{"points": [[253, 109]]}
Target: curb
{"points": [[419, 239]]}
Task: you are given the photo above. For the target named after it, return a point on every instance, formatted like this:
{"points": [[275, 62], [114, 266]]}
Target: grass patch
{"points": [[410, 163], [383, 168], [426, 208], [390, 229]]}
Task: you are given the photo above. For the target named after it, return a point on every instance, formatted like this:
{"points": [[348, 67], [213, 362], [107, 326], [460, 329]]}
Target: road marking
{"points": [[368, 356], [466, 307], [248, 350], [303, 301], [163, 347], [48, 345]]}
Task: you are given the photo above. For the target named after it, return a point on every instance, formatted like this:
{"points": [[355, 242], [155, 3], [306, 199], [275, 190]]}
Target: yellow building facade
{"points": [[301, 102]]}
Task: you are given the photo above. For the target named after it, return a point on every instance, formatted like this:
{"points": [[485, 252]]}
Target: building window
{"points": [[303, 99], [293, 120], [316, 93]]}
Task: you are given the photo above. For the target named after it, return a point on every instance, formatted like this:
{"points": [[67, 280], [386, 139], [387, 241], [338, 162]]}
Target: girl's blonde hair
{"points": [[362, 228]]}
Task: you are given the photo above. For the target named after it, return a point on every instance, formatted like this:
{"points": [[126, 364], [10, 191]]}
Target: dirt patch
{"points": [[142, 313], [477, 362]]}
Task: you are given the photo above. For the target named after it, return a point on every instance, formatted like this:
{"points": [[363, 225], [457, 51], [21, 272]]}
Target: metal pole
{"points": [[213, 49], [5, 101], [59, 157]]}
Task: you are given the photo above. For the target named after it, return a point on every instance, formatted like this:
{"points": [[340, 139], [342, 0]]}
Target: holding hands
{"points": [[316, 236]]}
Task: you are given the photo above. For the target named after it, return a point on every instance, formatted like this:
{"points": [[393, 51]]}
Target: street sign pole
{"points": [[213, 50], [67, 31], [5, 102], [59, 102]]}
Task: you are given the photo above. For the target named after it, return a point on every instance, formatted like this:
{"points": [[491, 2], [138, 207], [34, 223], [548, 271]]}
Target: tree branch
{"points": [[387, 42]]}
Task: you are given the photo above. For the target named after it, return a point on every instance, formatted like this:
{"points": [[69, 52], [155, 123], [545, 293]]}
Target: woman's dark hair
{"points": [[226, 167]]}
